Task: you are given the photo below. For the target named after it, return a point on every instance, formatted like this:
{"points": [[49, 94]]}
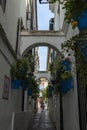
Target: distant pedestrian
{"points": [[42, 105]]}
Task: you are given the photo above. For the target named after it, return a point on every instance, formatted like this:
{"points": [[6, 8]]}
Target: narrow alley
{"points": [[43, 64], [41, 121]]}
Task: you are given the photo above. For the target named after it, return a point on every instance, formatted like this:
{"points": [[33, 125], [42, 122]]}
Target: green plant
{"points": [[44, 93], [48, 94], [22, 66], [31, 62], [19, 69], [69, 45], [73, 8], [54, 67], [66, 74], [33, 85], [72, 45], [57, 88]]}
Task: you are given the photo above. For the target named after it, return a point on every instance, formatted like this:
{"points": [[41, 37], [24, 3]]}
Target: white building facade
{"points": [[70, 113], [13, 18], [22, 15]]}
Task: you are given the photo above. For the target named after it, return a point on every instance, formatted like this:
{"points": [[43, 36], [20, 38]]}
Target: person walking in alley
{"points": [[42, 105]]}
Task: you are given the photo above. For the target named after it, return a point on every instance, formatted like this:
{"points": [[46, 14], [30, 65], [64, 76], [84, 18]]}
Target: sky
{"points": [[43, 57], [44, 15]]}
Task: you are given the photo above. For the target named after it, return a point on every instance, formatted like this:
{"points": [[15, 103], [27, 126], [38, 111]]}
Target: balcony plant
{"points": [[75, 12]]}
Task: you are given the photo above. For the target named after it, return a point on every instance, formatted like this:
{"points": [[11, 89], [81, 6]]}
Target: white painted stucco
{"points": [[14, 10], [14, 101], [41, 37], [70, 99], [8, 20]]}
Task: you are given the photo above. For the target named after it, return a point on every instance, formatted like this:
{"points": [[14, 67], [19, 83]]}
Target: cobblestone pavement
{"points": [[41, 121]]}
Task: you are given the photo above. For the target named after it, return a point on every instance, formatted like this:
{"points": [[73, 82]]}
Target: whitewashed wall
{"points": [[22, 120], [57, 111], [70, 99], [14, 101], [14, 10], [8, 20], [22, 14]]}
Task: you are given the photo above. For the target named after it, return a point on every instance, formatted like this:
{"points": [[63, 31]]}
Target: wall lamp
{"points": [[44, 1]]}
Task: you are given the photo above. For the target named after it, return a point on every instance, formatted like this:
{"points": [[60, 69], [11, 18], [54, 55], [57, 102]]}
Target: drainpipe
{"points": [[61, 113], [23, 94]]}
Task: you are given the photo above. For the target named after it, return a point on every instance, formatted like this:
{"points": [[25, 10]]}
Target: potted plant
{"points": [[78, 44], [19, 73], [48, 92], [75, 12], [20, 70], [54, 67], [56, 88], [66, 74]]}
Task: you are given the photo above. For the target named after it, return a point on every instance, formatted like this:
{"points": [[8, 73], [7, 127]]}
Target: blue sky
{"points": [[44, 15], [43, 57]]}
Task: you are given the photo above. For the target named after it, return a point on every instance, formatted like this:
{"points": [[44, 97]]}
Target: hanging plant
{"points": [[75, 11], [19, 69], [48, 92], [54, 67], [33, 86], [66, 74], [31, 62], [79, 51]]}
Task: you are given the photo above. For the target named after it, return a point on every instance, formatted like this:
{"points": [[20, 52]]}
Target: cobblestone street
{"points": [[41, 121]]}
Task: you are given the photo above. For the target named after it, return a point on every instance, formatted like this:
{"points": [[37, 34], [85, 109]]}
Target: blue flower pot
{"points": [[23, 84], [66, 85], [82, 21], [67, 65], [15, 84], [29, 92]]}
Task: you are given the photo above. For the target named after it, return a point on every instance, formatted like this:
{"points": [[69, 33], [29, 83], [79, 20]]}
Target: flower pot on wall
{"points": [[29, 92], [82, 21], [66, 85], [23, 84], [15, 84], [67, 65]]}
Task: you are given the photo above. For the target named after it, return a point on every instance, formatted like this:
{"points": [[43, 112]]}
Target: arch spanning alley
{"points": [[31, 39], [39, 45], [41, 38], [42, 74]]}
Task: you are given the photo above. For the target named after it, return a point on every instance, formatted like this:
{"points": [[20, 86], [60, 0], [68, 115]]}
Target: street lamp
{"points": [[45, 1]]}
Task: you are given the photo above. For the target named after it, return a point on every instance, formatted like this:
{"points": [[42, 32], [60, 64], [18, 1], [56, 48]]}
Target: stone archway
{"points": [[42, 74], [41, 38]]}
